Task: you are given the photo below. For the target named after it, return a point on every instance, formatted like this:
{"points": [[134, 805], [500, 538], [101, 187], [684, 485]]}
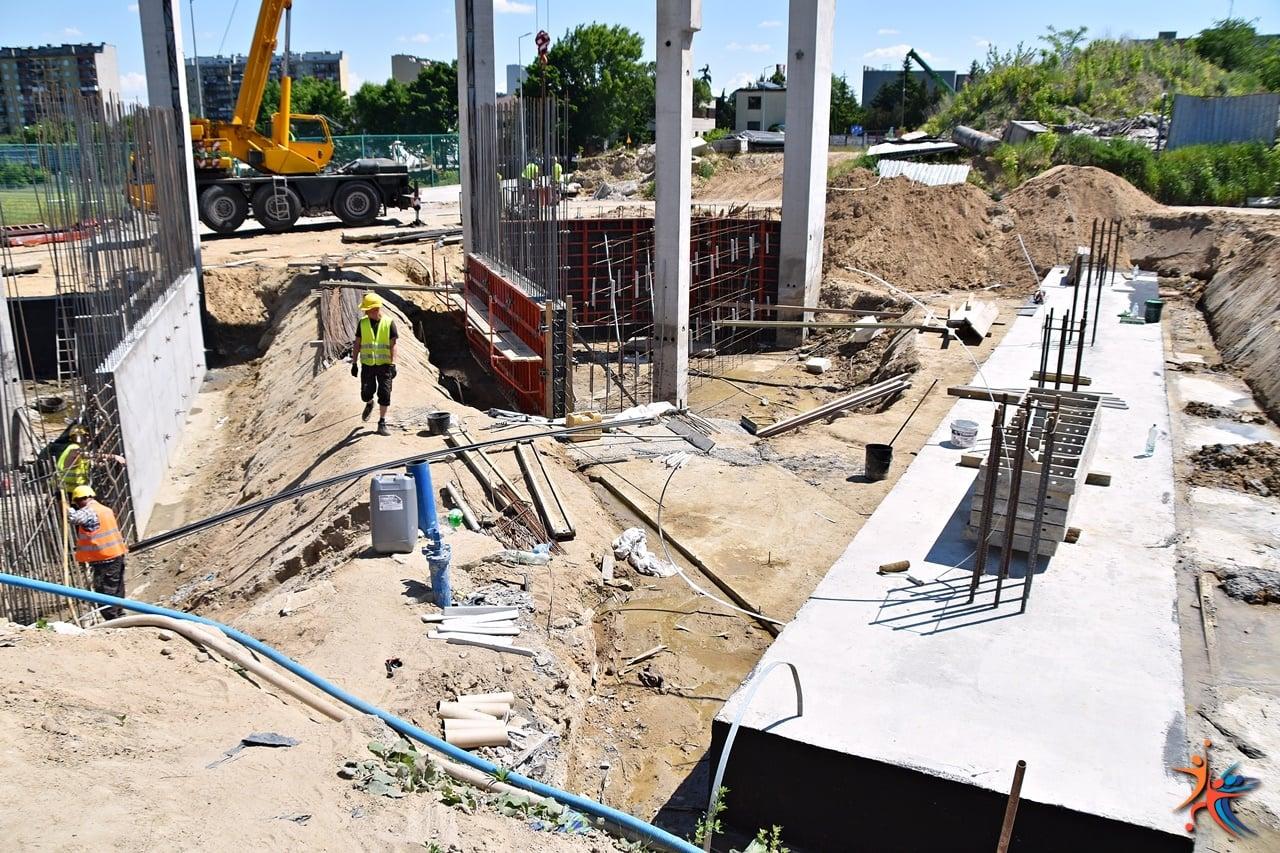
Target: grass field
{"points": [[25, 205]]}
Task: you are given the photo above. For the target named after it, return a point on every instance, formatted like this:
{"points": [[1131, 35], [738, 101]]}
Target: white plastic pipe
{"points": [[473, 724], [211, 639], [481, 618], [462, 712], [493, 709], [472, 628], [472, 738]]}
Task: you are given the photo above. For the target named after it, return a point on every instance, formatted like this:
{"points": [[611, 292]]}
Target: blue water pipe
{"points": [[437, 552], [628, 824]]}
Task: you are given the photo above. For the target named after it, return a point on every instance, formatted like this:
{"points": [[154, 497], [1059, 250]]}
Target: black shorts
{"points": [[376, 377]]}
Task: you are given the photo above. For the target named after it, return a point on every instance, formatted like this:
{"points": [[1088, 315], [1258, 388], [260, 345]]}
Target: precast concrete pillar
{"points": [[678, 20], [477, 123], [804, 174]]}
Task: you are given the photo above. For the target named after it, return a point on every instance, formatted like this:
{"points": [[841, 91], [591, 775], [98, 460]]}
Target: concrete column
{"points": [[804, 173], [15, 449], [477, 122], [167, 86], [678, 20]]}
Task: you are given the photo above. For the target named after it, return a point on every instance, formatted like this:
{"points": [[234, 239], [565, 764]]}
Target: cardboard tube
{"points": [[493, 709], [461, 712], [472, 738], [483, 698]]}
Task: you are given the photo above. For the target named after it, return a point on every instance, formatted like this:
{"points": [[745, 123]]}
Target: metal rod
{"points": [[1015, 491], [1042, 496], [1084, 327], [1062, 352], [988, 500], [1112, 265], [1011, 807], [913, 413], [1075, 291]]}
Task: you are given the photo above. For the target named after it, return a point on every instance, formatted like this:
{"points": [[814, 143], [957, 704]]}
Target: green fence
{"points": [[432, 158]]}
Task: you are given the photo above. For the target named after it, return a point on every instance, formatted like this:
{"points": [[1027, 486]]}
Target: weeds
{"points": [[708, 825], [768, 841]]}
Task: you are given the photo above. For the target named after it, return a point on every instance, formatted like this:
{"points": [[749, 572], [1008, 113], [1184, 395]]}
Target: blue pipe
{"points": [[629, 824], [437, 553]]}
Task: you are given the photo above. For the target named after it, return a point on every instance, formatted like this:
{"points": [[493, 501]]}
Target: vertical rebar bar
{"points": [[1021, 418], [988, 499]]}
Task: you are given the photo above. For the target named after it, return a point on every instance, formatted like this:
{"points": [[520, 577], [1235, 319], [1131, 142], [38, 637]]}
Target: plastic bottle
{"points": [[455, 518], [525, 558], [1151, 439]]}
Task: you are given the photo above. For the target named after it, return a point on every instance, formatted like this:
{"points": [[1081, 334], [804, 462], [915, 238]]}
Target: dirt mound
{"points": [[1208, 410], [1253, 468], [1054, 211], [917, 237], [240, 302]]}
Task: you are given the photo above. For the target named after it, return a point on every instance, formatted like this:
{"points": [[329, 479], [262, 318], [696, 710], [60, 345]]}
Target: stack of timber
{"points": [[1074, 444]]}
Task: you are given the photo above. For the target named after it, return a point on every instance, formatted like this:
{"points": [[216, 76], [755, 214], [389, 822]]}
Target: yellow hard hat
{"points": [[370, 301], [78, 429], [83, 492]]}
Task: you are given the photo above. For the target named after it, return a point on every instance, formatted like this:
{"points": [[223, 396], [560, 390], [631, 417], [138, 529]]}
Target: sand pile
{"points": [[917, 237]]}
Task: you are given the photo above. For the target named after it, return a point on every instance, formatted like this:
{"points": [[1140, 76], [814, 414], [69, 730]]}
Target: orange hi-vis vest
{"points": [[105, 543]]}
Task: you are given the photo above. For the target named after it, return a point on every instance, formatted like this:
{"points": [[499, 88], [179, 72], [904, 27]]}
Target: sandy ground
{"points": [[769, 517]]}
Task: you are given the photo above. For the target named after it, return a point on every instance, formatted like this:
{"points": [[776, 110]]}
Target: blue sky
{"points": [[739, 38]]}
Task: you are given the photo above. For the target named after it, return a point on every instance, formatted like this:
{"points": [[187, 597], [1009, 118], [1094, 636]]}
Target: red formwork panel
{"points": [[507, 312]]}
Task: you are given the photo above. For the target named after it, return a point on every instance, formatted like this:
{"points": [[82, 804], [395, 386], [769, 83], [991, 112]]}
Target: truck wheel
{"points": [[276, 207], [223, 209], [356, 203]]}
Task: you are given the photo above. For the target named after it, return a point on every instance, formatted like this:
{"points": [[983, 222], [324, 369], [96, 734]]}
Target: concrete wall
{"points": [[157, 372], [773, 109]]}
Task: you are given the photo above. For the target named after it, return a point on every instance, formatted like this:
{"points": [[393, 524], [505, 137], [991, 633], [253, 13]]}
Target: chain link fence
{"points": [[432, 158]]}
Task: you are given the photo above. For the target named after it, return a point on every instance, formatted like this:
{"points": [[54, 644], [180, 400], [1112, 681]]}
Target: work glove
{"points": [[391, 371], [355, 369]]}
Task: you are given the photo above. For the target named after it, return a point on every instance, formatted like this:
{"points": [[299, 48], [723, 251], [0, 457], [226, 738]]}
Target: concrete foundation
{"points": [[917, 705], [804, 174], [157, 371]]}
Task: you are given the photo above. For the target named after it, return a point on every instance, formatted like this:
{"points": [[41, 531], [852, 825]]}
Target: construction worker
{"points": [[373, 358], [531, 171], [74, 464], [99, 545]]}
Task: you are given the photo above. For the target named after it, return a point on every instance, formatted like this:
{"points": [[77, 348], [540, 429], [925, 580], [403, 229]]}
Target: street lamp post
{"points": [[195, 53], [524, 154]]}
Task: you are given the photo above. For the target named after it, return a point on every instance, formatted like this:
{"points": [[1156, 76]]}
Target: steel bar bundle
{"points": [[858, 398]]}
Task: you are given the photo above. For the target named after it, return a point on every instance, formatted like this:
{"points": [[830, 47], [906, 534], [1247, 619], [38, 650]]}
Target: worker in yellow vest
{"points": [[99, 545], [373, 358], [74, 463]]}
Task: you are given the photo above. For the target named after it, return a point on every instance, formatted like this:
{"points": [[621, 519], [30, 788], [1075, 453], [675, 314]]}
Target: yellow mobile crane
{"points": [[293, 177]]}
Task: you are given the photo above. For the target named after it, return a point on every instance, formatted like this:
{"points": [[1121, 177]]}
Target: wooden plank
{"points": [[1048, 547], [820, 324], [506, 341], [1036, 376], [1048, 527]]}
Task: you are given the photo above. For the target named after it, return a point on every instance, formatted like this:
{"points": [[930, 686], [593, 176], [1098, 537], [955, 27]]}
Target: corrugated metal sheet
{"points": [[934, 175], [1242, 118], [902, 149]]}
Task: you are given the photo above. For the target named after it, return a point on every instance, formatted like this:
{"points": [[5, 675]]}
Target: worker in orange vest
{"points": [[99, 545]]}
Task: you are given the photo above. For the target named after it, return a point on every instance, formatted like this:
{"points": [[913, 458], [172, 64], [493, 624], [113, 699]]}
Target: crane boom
{"points": [[258, 67], [937, 78]]}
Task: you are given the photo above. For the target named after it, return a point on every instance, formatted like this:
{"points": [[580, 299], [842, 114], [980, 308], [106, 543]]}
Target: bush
{"points": [[1132, 161], [715, 133], [705, 169], [21, 175]]}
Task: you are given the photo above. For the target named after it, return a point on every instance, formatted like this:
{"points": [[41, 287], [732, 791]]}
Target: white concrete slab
{"points": [[1086, 686]]}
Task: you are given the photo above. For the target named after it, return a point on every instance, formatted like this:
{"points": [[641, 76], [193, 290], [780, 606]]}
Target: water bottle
{"points": [[455, 518], [1151, 439]]}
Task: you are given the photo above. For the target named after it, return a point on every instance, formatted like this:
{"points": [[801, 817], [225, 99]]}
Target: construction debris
{"points": [[834, 408], [631, 546]]}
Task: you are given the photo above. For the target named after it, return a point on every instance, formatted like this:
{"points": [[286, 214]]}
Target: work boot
{"points": [[368, 410], [382, 427]]}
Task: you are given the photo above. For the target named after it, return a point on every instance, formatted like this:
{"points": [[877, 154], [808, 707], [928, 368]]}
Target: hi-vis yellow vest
{"points": [[77, 474], [375, 346]]}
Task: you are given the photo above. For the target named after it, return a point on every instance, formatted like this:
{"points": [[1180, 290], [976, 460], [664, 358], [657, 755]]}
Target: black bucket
{"points": [[879, 458], [1155, 307], [438, 423]]}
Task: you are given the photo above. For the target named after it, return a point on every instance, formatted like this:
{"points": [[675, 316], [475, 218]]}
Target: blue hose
{"points": [[631, 825]]}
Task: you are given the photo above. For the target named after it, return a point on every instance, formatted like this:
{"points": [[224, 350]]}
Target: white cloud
{"points": [[737, 81], [354, 82], [886, 31], [417, 38], [769, 25], [72, 32], [981, 44], [511, 7], [133, 85], [754, 47], [132, 7], [895, 52]]}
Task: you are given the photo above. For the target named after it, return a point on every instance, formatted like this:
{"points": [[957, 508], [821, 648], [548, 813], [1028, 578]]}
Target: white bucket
{"points": [[964, 433]]}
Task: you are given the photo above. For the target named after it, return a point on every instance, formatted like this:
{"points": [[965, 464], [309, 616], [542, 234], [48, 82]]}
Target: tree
{"points": [[726, 110], [975, 71], [1231, 44], [429, 104], [844, 106], [1064, 45], [890, 109], [597, 70], [778, 77], [702, 88]]}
